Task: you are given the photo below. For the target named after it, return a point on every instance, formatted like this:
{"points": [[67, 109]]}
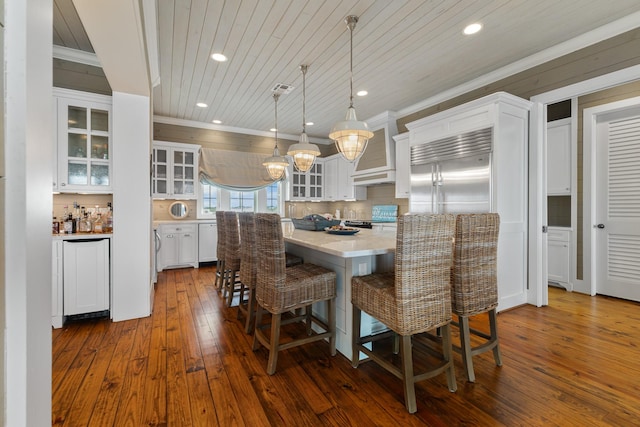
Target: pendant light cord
{"points": [[351, 23], [303, 68], [275, 97]]}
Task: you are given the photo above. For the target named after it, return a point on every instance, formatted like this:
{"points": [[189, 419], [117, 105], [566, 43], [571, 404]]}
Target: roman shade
{"points": [[233, 170]]}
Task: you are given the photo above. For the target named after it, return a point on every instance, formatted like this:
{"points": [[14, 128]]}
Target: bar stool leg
{"points": [[447, 352], [493, 326], [465, 346], [407, 374], [355, 339], [274, 343], [332, 325]]}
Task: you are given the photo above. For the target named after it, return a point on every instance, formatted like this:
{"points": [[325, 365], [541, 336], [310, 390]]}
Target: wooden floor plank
{"points": [[573, 363]]}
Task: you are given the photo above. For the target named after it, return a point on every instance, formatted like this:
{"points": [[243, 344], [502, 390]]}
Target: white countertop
{"points": [[364, 243]]}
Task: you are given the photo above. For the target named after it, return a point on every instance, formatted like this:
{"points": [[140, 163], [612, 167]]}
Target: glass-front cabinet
{"points": [[174, 171], [306, 186], [83, 144]]}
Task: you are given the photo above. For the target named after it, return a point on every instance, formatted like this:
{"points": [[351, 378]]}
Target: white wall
{"points": [[131, 292], [27, 214]]}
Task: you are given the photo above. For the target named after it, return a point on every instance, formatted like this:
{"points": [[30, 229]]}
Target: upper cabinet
{"points": [[306, 186], [559, 157], [338, 180], [83, 142], [174, 172], [378, 163], [403, 166]]}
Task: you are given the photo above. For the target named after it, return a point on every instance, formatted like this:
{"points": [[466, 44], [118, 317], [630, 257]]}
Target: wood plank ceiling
{"points": [[404, 52]]}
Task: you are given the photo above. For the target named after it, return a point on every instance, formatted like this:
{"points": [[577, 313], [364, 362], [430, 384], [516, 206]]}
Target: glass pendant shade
{"points": [[276, 164], [351, 136], [304, 153]]}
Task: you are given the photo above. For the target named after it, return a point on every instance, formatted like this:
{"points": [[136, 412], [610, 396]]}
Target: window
{"points": [[209, 199], [212, 198], [242, 201]]}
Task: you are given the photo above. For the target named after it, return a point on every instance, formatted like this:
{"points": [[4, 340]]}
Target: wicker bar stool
{"points": [[248, 269], [413, 299], [475, 284], [220, 267], [281, 289], [231, 256]]}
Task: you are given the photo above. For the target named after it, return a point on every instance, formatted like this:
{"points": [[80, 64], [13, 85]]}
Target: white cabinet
{"points": [[178, 246], [338, 181], [83, 142], [86, 276], [385, 226], [559, 157], [403, 166], [207, 242], [306, 186], [174, 171], [559, 254], [56, 284]]}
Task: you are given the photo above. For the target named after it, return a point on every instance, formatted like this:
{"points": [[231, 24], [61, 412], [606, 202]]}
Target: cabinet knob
{"points": [[62, 184]]}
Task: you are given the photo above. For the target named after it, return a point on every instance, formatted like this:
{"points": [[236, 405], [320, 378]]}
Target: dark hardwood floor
{"points": [[574, 363]]}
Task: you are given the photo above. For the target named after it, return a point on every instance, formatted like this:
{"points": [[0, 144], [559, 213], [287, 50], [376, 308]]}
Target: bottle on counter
{"points": [[85, 224], [98, 225], [55, 226], [108, 219], [68, 224]]}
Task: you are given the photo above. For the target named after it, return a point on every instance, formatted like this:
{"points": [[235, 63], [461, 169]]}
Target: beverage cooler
{"points": [[86, 276]]}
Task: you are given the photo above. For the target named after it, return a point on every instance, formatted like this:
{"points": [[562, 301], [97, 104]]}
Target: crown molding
{"points": [[75, 55], [201, 125]]}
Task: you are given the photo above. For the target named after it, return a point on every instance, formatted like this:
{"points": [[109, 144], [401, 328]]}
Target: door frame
{"points": [[590, 118], [538, 288]]}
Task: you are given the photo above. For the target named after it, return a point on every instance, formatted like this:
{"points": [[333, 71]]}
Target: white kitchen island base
{"points": [[366, 252]]}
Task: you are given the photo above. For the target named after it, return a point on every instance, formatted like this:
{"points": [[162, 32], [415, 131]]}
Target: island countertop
{"points": [[364, 243]]}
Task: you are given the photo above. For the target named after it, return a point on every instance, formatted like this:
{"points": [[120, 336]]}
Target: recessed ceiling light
{"points": [[362, 93], [309, 123], [472, 29], [273, 129], [217, 122], [218, 57], [202, 105]]}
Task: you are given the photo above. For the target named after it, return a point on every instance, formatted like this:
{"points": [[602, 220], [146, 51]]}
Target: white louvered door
{"points": [[617, 219]]}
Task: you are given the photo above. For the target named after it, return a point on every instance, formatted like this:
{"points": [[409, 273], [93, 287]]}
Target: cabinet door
{"points": [[558, 265], [331, 179], [56, 284], [316, 180], [207, 242], [86, 276], [188, 248], [160, 171], [183, 173], [84, 146], [403, 167], [559, 157], [169, 249]]}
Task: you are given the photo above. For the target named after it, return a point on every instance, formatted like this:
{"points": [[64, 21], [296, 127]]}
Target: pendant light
{"points": [[351, 135], [303, 153], [276, 164]]}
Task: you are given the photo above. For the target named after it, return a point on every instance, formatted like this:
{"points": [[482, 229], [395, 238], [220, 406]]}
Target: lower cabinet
{"points": [[558, 257], [56, 285], [85, 276], [178, 246], [207, 242]]}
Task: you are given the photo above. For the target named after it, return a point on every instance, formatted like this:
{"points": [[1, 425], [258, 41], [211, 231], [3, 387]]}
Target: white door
{"points": [[617, 204]]}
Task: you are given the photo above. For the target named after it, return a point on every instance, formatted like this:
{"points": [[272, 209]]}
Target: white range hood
{"points": [[377, 164]]}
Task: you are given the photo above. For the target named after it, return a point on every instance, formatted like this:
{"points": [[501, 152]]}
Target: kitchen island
{"points": [[366, 252]]}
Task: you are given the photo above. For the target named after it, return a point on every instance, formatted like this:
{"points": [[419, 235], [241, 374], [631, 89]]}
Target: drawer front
{"points": [[186, 228]]}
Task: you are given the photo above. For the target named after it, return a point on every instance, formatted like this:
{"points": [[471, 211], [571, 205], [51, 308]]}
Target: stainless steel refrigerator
{"points": [[452, 175]]}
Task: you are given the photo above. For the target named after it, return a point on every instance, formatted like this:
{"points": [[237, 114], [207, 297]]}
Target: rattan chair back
{"points": [[248, 249], [221, 234], [232, 241], [474, 275]]}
